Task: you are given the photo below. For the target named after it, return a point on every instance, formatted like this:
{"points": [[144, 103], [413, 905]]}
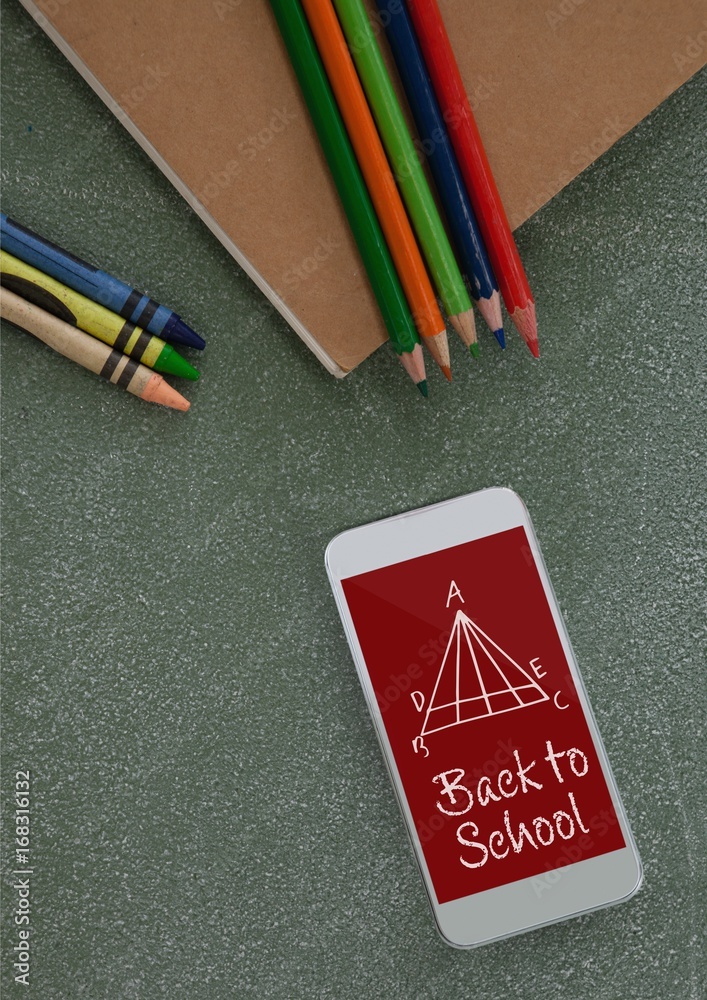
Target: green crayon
{"points": [[74, 308]]}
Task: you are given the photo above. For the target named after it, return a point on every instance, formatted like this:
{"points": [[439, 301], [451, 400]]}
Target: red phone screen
{"points": [[489, 737]]}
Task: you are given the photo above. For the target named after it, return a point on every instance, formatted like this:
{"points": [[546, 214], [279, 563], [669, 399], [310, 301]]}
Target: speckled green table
{"points": [[211, 814]]}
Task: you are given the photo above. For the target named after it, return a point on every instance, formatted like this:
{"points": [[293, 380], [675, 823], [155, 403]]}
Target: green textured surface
{"points": [[211, 816]]}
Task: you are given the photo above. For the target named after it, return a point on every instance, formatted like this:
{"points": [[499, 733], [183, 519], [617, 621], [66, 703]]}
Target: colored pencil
{"points": [[475, 168], [407, 169], [352, 190], [95, 284], [437, 147], [85, 350], [50, 294], [379, 179]]}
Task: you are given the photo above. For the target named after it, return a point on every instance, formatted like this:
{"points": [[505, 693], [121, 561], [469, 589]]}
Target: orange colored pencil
{"points": [[382, 188]]}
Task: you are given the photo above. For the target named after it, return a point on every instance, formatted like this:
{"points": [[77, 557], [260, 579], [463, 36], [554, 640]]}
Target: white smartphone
{"points": [[484, 723]]}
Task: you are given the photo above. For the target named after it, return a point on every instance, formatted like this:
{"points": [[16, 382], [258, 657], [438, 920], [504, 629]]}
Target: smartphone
{"points": [[508, 798]]}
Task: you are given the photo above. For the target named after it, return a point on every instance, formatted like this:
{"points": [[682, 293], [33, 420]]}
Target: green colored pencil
{"points": [[407, 169], [339, 154]]}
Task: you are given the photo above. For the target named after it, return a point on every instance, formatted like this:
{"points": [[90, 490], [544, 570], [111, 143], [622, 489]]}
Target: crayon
{"points": [[50, 294], [85, 350], [96, 284]]}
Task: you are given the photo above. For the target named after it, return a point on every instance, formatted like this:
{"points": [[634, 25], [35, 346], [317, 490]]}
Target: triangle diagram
{"points": [[477, 679]]}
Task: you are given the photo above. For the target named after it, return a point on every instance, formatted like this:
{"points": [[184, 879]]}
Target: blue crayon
{"points": [[466, 236], [110, 292]]}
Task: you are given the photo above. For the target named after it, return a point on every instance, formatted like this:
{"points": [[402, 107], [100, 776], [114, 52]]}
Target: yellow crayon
{"points": [[89, 352], [55, 297]]}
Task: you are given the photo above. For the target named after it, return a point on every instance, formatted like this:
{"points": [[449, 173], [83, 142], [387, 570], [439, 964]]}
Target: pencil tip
{"points": [[464, 324], [474, 349], [422, 386], [500, 337], [414, 364], [490, 309], [527, 326], [438, 347], [447, 372]]}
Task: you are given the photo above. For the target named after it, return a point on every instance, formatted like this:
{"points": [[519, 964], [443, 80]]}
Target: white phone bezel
{"points": [[532, 902]]}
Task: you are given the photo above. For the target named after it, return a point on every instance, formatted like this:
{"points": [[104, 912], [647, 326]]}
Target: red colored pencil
{"points": [[475, 168]]}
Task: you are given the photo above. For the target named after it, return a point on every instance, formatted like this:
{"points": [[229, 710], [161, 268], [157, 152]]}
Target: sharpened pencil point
{"points": [[439, 349], [414, 364], [474, 350], [490, 309], [422, 386], [500, 337], [527, 326], [465, 326], [447, 372]]}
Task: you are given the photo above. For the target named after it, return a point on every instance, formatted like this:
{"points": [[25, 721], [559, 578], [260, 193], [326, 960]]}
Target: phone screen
{"points": [[490, 740]]}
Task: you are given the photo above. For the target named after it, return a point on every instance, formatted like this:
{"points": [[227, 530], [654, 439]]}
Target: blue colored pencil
{"points": [[466, 235], [96, 285]]}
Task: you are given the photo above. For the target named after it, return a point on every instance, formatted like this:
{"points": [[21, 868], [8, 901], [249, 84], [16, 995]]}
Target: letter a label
{"points": [[454, 591]]}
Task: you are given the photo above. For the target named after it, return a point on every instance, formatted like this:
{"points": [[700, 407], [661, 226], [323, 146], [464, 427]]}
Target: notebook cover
{"points": [[206, 88]]}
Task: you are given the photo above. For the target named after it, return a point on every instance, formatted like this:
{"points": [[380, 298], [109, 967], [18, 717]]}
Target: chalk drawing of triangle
{"points": [[477, 679]]}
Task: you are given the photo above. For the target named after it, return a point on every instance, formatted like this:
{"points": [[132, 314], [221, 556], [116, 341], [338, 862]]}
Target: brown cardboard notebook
{"points": [[206, 89]]}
